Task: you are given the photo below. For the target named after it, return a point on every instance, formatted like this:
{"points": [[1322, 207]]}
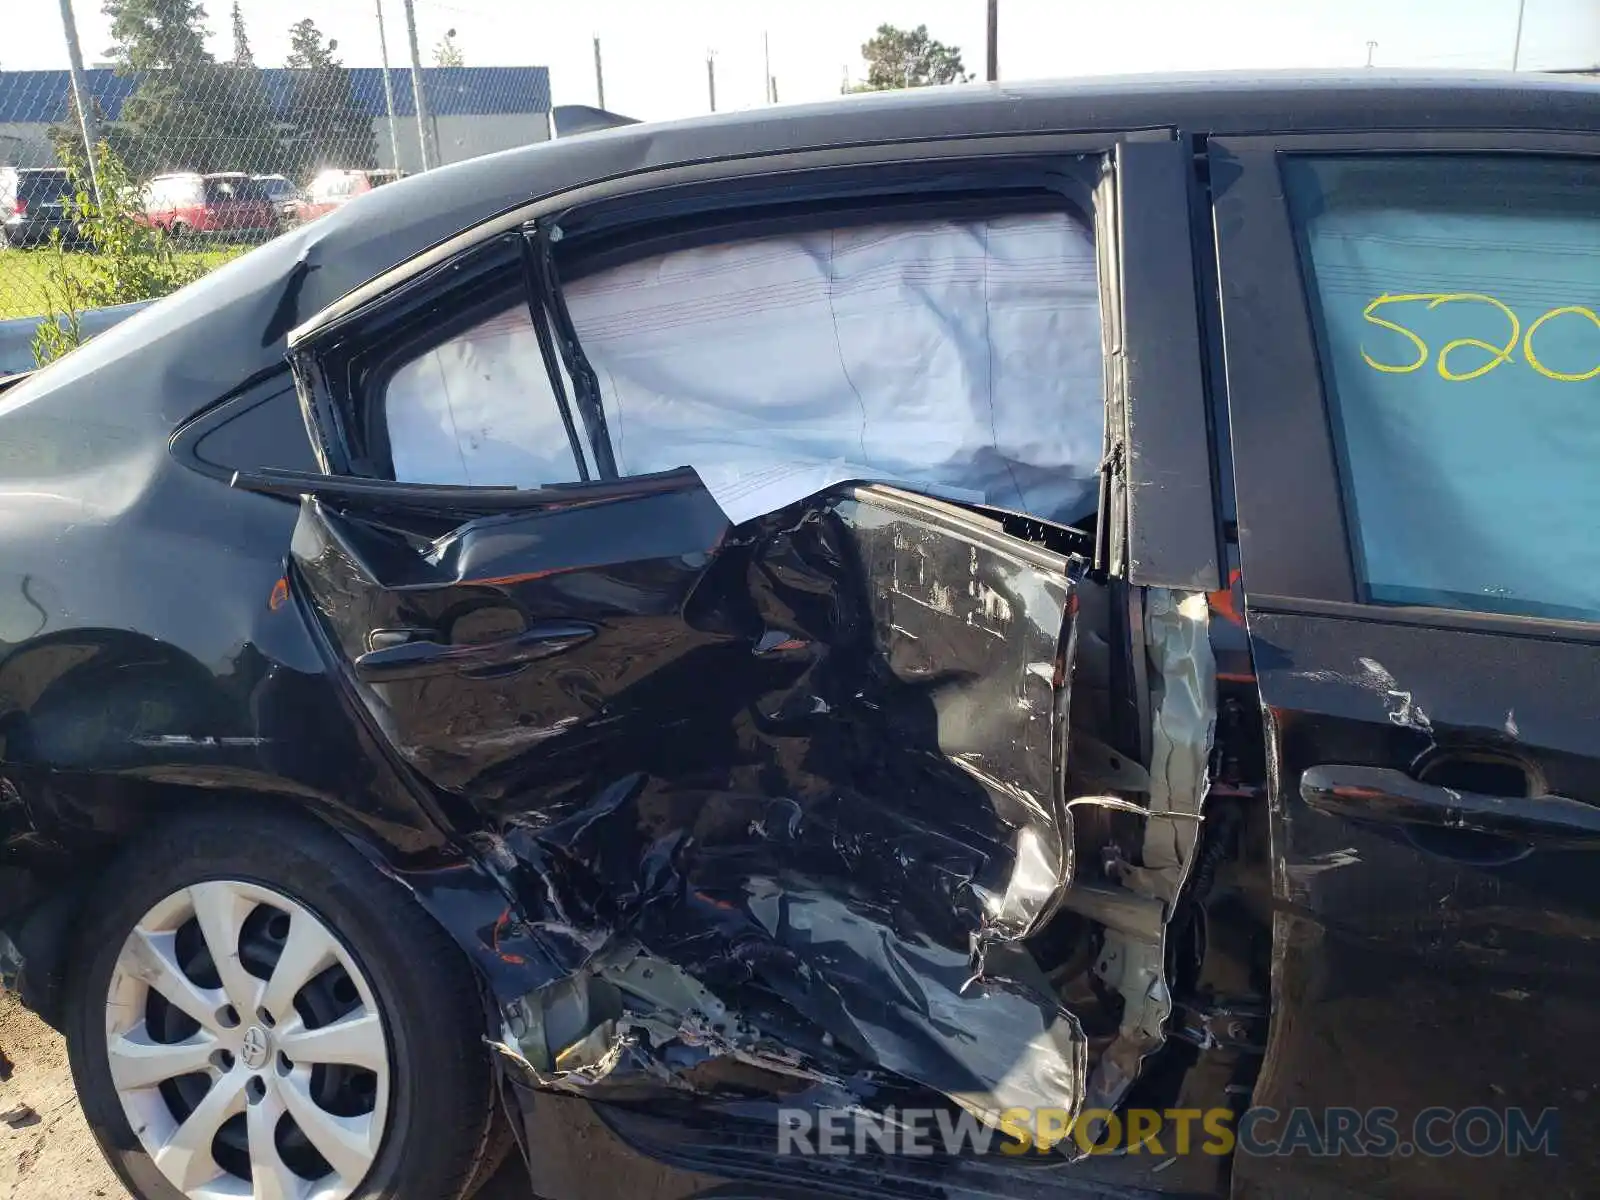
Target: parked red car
{"points": [[330, 189], [227, 202]]}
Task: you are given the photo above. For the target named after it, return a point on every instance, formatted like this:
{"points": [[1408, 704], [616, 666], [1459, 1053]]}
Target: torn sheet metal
{"points": [[832, 880], [1133, 959], [962, 358]]}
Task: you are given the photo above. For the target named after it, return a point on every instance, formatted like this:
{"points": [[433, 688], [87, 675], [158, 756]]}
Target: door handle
{"points": [[1393, 797], [413, 654]]}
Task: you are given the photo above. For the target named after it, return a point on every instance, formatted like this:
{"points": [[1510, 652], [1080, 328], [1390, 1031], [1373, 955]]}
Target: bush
{"points": [[125, 260]]}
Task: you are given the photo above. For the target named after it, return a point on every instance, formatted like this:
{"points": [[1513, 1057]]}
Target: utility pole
{"points": [[766, 58], [388, 88], [599, 76], [1371, 46], [82, 98], [711, 77], [424, 141], [1516, 46], [994, 40]]}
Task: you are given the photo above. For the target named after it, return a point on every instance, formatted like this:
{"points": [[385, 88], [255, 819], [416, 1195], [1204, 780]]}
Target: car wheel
{"points": [[180, 231], [255, 1010]]}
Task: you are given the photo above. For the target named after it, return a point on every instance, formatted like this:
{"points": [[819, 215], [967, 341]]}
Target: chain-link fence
{"points": [[201, 156]]}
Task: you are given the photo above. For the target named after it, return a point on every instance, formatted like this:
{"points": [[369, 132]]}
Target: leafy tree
{"points": [[447, 53], [907, 58], [188, 112], [152, 34], [128, 260], [242, 55], [329, 129]]}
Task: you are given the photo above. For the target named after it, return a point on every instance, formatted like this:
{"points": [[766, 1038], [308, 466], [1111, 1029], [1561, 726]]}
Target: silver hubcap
{"points": [[247, 1047]]}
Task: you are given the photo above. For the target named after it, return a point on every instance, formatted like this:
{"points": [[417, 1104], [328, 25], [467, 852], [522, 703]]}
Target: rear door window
{"points": [[1458, 310]]}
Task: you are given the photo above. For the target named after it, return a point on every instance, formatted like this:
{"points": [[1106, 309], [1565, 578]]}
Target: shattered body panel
{"points": [[812, 769]]}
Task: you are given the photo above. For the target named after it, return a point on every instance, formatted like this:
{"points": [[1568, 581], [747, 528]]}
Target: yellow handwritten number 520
{"points": [[1497, 354]]}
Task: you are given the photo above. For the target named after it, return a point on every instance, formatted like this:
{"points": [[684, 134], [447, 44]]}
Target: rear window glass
{"points": [[233, 189], [1458, 305], [43, 186]]}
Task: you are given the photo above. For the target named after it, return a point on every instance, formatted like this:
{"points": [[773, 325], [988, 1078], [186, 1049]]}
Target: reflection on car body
{"points": [[894, 609]]}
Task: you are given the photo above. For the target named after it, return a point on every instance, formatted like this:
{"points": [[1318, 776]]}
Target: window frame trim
{"points": [[261, 389], [352, 305], [1297, 550], [1159, 404]]}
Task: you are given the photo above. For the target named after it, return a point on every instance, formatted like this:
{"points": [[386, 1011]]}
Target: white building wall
{"points": [[26, 145], [460, 137]]}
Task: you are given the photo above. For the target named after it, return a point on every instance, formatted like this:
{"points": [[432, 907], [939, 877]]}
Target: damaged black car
{"points": [[1005, 642]]}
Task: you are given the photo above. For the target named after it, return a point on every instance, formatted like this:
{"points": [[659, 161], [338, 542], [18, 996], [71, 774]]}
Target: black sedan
{"points": [[35, 205], [1000, 642]]}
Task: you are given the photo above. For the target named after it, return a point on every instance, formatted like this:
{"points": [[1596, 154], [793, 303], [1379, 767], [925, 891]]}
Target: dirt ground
{"points": [[46, 1151], [50, 1154]]}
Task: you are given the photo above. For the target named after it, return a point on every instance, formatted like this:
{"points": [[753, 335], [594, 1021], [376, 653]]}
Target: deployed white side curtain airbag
{"points": [[479, 410], [960, 356]]}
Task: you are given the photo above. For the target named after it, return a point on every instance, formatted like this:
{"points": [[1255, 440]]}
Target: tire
{"points": [[288, 878], [179, 231]]}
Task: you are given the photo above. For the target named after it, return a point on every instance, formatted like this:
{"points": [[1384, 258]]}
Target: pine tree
{"points": [[330, 130], [188, 112], [242, 56]]}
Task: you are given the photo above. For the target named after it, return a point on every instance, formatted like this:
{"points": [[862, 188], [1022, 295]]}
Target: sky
{"points": [[654, 51]]}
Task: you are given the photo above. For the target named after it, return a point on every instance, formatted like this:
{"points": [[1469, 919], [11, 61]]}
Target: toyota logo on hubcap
{"points": [[256, 1047]]}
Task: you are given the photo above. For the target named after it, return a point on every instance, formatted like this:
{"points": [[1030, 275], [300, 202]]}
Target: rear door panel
{"points": [[511, 638], [783, 804], [810, 770]]}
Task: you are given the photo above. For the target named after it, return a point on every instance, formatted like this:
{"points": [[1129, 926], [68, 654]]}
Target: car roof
{"points": [[246, 308]]}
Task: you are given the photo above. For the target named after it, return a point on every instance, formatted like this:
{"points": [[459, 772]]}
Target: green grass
{"points": [[23, 275]]}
